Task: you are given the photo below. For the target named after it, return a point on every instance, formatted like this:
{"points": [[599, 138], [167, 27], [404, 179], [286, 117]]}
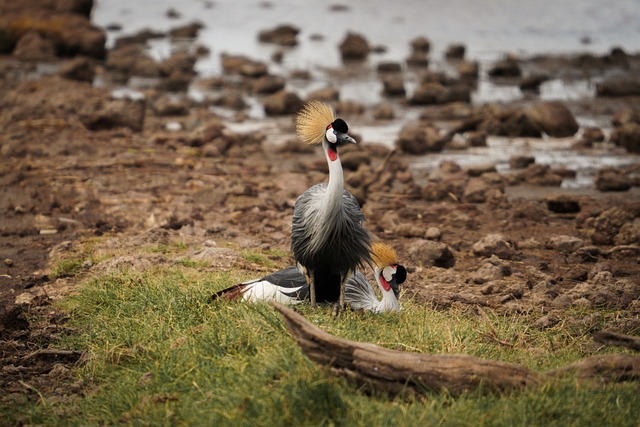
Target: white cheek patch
{"points": [[331, 136], [388, 273]]}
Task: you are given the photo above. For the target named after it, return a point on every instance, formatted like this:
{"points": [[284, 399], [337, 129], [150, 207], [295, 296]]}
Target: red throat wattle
{"points": [[385, 285], [333, 154]]}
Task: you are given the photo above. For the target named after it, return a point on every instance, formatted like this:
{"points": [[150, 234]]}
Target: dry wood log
{"points": [[383, 370], [615, 339], [393, 372], [607, 368]]}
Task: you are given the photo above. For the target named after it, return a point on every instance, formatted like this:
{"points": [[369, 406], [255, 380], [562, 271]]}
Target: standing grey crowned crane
{"points": [[289, 286], [328, 239]]}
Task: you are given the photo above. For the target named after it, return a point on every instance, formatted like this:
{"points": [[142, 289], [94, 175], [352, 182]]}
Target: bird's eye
{"points": [[331, 135]]}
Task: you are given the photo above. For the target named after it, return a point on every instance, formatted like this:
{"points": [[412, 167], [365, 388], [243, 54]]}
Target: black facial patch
{"points": [[401, 274], [340, 125]]}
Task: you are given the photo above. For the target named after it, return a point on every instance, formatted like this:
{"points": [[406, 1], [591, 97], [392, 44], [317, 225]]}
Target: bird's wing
{"points": [[287, 286], [359, 294]]}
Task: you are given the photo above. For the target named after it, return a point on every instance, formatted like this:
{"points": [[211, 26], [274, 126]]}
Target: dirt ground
{"points": [[83, 176]]}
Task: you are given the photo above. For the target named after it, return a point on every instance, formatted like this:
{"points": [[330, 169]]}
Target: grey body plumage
{"points": [[328, 238], [337, 242]]}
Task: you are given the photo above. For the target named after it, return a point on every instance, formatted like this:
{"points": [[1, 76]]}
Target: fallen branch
{"points": [[607, 368], [393, 372], [619, 340]]}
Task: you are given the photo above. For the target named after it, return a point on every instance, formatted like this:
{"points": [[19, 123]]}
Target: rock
{"points": [[612, 180], [627, 136], [455, 51], [563, 203], [70, 32], [418, 59], [492, 269], [626, 115], [562, 301], [408, 230], [468, 70], [327, 94], [565, 244], [629, 233], [481, 169], [592, 134], [459, 93], [187, 31], [99, 114], [420, 139], [33, 47], [141, 38], [354, 47], [477, 138], [176, 82], [389, 67], [349, 108], [505, 68], [521, 162], [240, 64], [268, 84], [384, 111], [420, 44], [282, 35], [618, 87], [546, 322], [578, 274], [612, 294], [540, 175], [530, 244], [254, 70], [553, 118], [179, 62], [608, 224], [24, 298], [172, 13], [393, 85], [478, 190], [430, 253], [532, 82], [433, 233], [516, 123], [282, 103], [132, 60], [429, 94], [80, 68], [494, 244], [351, 160], [231, 99], [169, 106]]}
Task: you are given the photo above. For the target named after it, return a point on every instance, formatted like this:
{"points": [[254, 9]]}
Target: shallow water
{"points": [[489, 29]]}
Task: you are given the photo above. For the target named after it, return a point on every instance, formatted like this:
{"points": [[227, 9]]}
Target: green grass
{"points": [[68, 267], [158, 353], [270, 258]]}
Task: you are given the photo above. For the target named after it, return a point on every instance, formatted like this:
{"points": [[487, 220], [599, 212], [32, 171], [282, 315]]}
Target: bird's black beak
{"points": [[394, 287], [399, 277], [343, 138]]}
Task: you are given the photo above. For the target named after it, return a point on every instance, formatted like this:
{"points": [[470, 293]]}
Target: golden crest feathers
{"points": [[312, 122], [383, 254]]}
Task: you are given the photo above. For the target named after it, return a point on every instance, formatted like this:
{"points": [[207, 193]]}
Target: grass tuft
{"points": [[159, 353]]}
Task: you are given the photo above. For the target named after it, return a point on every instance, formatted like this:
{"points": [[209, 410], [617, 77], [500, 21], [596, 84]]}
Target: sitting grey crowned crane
{"points": [[328, 238], [289, 286]]}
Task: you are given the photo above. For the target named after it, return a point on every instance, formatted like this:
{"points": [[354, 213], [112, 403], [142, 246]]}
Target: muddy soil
{"points": [[96, 180]]}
